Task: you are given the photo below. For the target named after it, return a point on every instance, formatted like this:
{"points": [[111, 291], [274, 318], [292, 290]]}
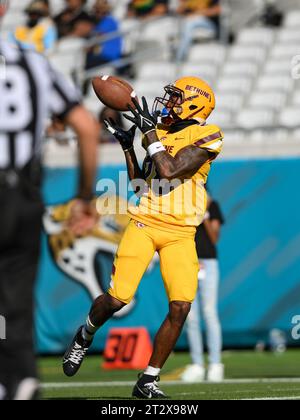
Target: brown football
{"points": [[114, 92]]}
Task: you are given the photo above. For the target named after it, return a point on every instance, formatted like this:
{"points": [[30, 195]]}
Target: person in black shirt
{"points": [[207, 237], [74, 20]]}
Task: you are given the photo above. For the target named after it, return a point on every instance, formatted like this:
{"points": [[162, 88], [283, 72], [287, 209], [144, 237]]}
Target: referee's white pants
{"points": [[206, 302]]}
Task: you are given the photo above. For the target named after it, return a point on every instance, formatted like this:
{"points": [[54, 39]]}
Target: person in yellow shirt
{"points": [[147, 8], [39, 33], [180, 150]]}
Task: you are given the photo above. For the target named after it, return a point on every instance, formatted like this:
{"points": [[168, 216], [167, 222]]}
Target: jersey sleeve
{"points": [[210, 140], [63, 95]]}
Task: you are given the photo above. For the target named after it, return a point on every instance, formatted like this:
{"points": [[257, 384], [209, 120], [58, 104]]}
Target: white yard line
{"points": [[244, 391], [58, 385], [295, 398]]}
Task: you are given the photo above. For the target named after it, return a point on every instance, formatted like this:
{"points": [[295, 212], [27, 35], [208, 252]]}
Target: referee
{"points": [[30, 91]]}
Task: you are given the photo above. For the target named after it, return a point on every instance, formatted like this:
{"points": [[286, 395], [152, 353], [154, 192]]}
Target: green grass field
{"points": [[249, 375]]}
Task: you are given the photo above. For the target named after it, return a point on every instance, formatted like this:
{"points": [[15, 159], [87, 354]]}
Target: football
{"points": [[114, 92]]}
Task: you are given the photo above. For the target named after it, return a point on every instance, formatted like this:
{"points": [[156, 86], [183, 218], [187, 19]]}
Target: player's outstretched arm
{"points": [[133, 167], [126, 140], [84, 215], [85, 127]]}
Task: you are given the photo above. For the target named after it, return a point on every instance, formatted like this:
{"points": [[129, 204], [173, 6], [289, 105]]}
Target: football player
{"points": [[180, 150]]}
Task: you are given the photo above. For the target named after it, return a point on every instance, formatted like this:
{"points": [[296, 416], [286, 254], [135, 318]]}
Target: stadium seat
{"points": [[93, 104], [278, 67], [155, 36], [131, 34], [207, 72], [231, 102], [157, 71], [292, 19], [234, 137], [210, 53], [296, 98], [256, 36], [276, 83], [272, 100], [285, 51], [240, 69], [247, 53], [120, 8], [268, 136], [222, 118], [70, 45], [289, 36], [104, 69], [241, 74], [234, 84], [17, 5], [63, 64], [296, 135], [68, 56], [255, 118], [257, 136], [12, 20], [290, 118], [56, 6], [159, 30], [149, 88]]}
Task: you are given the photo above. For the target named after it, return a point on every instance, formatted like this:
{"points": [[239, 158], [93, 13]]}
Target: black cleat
{"points": [[74, 356], [149, 390]]}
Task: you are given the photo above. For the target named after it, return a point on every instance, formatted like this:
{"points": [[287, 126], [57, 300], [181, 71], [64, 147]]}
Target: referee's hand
{"points": [[83, 217]]}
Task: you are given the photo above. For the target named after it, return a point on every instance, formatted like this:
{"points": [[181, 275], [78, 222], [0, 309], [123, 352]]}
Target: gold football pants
{"points": [[178, 260]]}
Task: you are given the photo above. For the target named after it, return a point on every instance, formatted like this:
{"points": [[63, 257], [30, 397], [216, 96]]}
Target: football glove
{"points": [[142, 117], [125, 138]]}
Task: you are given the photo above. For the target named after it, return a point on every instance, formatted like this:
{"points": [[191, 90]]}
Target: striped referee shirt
{"points": [[30, 92]]}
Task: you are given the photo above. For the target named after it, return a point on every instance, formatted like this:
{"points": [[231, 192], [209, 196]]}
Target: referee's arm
{"points": [[65, 104], [86, 129], [83, 213]]}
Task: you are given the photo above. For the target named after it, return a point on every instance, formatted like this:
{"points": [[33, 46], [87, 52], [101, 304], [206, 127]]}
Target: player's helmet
{"points": [[188, 98]]}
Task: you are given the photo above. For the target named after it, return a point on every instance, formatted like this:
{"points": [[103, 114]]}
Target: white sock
{"points": [[152, 371], [89, 330]]}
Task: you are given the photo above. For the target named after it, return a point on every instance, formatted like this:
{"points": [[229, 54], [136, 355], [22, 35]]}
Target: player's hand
{"points": [[142, 117], [83, 217], [125, 138]]}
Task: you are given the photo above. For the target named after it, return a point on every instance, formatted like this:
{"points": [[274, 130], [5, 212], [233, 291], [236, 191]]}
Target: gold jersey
{"points": [[178, 205], [192, 5]]}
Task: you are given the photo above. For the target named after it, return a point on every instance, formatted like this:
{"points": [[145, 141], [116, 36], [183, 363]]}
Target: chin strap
{"points": [[201, 121]]}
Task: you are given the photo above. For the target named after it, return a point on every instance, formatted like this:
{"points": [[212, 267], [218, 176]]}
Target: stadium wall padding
{"points": [[259, 255]]}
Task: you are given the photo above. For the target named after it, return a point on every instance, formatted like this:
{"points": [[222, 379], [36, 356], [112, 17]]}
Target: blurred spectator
{"points": [[74, 20], [106, 114], [105, 23], [39, 33], [198, 14], [271, 16], [207, 237], [147, 8]]}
